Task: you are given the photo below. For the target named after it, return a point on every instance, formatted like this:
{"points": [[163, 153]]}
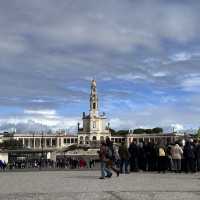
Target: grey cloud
{"points": [[48, 46], [152, 116], [24, 127]]}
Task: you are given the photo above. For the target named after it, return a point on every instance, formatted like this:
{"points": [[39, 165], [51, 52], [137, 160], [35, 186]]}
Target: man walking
{"points": [[105, 172], [110, 157]]}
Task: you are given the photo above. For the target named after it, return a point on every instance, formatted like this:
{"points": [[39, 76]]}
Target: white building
{"points": [[1, 138], [95, 127]]}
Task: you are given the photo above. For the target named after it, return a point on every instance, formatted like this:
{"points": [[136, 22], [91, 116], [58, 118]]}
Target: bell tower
{"points": [[94, 124], [93, 99]]}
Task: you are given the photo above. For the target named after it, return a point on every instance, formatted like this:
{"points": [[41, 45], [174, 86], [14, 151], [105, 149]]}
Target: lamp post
{"points": [[33, 140], [42, 145]]}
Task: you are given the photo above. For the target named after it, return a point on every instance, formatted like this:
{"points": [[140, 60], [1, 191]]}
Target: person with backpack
{"points": [[110, 158], [105, 172]]}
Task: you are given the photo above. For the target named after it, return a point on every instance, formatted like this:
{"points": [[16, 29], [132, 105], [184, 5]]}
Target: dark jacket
{"points": [[102, 153], [123, 152], [133, 150], [188, 151]]}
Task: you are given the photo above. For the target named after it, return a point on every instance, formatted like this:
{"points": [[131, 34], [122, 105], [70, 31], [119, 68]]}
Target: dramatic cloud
{"points": [[41, 112], [144, 54], [192, 83]]}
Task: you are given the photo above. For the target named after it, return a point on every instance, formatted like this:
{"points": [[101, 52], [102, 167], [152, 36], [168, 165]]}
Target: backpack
{"points": [[161, 152], [109, 152]]}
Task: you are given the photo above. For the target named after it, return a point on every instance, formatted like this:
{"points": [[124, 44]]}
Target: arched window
{"points": [[94, 105], [102, 138], [81, 140], [94, 138], [87, 139]]}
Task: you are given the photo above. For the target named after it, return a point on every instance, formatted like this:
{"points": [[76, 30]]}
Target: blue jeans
{"points": [[104, 170], [124, 163]]}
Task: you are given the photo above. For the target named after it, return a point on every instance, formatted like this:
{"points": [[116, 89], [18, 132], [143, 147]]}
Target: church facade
{"points": [[95, 126]]}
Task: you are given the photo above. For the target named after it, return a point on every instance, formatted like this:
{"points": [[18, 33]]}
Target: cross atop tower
{"points": [[93, 99]]}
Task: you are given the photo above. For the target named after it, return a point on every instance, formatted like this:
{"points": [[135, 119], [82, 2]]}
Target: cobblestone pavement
{"points": [[76, 185]]}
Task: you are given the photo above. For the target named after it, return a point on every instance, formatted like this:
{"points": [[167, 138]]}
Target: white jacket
{"points": [[176, 152]]}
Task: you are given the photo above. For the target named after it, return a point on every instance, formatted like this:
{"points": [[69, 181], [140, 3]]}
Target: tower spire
{"points": [[93, 99]]}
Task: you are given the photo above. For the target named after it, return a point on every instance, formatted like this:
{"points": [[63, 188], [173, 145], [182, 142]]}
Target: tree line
{"points": [[155, 130]]}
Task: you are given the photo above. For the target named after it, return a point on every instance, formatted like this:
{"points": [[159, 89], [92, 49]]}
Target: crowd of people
{"points": [[177, 157], [74, 163], [61, 162], [29, 163]]}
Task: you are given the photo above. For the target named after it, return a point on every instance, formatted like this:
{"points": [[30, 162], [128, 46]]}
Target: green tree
{"points": [[157, 130], [112, 131], [119, 133], [148, 131], [122, 132], [139, 131], [198, 134]]}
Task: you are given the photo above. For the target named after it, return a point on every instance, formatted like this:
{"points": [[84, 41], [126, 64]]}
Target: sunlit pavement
{"points": [[76, 185]]}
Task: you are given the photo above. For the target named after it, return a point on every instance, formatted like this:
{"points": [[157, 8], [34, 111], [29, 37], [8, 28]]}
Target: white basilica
{"points": [[95, 127]]}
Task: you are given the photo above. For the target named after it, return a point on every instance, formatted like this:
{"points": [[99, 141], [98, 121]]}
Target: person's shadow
{"points": [[81, 177]]}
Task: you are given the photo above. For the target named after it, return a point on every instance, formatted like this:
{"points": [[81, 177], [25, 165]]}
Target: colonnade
{"points": [[39, 142]]}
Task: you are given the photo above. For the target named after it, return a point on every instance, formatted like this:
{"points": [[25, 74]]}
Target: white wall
{"points": [[1, 138], [4, 156]]}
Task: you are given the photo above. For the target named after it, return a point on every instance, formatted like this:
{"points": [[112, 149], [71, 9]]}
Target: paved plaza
{"points": [[76, 185]]}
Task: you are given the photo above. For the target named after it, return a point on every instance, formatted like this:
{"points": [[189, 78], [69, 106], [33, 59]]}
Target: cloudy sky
{"points": [[145, 56]]}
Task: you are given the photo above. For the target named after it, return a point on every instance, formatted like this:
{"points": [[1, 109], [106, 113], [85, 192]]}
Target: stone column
{"points": [[29, 142], [59, 142], [45, 142], [51, 142], [40, 144], [57, 145], [23, 142]]}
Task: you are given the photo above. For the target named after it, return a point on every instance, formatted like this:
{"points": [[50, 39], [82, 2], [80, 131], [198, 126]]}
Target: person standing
{"points": [[161, 159], [134, 151], [197, 154], [169, 160], [189, 156], [176, 153], [116, 156], [124, 157]]}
